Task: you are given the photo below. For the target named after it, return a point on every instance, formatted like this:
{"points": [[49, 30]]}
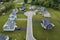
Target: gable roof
{"points": [[32, 7], [46, 22], [22, 8], [9, 26], [3, 37], [12, 16], [42, 9]]}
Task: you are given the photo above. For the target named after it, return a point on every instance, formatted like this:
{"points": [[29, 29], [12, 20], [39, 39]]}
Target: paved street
{"points": [[29, 34]]}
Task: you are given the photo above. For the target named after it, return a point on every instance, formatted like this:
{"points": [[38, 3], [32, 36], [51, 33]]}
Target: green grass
{"points": [[18, 35], [21, 16], [39, 32], [37, 17], [54, 34], [22, 24]]}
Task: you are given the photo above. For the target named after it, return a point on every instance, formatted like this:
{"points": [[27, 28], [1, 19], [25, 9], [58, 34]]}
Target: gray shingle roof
{"points": [[3, 37], [22, 8], [46, 22], [42, 9], [32, 7], [9, 25], [12, 16]]}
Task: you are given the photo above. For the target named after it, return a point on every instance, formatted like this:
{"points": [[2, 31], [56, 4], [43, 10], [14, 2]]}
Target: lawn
{"points": [[38, 31], [21, 16], [41, 34], [18, 35]]}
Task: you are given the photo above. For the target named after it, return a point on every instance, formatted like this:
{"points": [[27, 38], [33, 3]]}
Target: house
{"points": [[15, 10], [12, 16], [22, 8], [3, 37], [10, 25], [47, 24], [42, 9], [32, 7]]}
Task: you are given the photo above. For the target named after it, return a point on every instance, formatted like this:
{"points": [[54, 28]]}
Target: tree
{"points": [[35, 2], [25, 1], [6, 0], [7, 6]]}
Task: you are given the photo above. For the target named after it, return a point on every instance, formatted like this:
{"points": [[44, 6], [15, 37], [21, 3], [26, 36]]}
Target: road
{"points": [[29, 35]]}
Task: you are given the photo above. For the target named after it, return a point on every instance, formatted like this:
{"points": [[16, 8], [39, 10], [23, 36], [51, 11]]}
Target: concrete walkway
{"points": [[29, 35], [46, 14]]}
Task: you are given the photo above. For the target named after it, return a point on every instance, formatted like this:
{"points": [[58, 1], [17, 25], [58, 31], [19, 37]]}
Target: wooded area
{"points": [[55, 4], [4, 6], [8, 4]]}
